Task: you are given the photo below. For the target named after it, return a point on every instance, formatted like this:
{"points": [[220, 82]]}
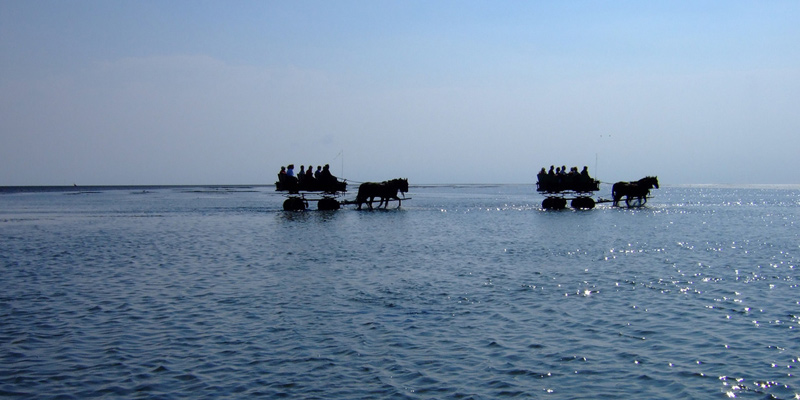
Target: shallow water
{"points": [[464, 292]]}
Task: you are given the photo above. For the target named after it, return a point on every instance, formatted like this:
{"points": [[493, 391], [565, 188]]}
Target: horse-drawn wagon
{"points": [[328, 189], [327, 199], [577, 188]]}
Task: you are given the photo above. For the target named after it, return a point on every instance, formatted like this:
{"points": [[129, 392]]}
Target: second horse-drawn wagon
{"points": [[326, 189], [558, 188]]}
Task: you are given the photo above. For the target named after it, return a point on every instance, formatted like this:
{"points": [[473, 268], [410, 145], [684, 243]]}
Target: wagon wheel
{"points": [[328, 203], [583, 203], [294, 204], [554, 203]]}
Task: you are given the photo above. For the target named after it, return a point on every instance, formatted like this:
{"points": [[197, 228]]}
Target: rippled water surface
{"points": [[464, 292]]}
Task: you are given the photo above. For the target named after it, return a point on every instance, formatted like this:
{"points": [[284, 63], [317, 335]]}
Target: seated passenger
{"points": [[541, 179], [301, 176], [559, 178], [552, 179], [585, 178], [542, 175], [568, 179], [309, 180], [282, 176], [290, 179], [327, 180]]}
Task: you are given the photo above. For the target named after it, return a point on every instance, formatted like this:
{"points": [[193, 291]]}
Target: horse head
{"points": [[402, 185], [397, 184], [648, 182]]}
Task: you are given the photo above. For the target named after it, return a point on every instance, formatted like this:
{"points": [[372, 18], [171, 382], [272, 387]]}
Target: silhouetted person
{"points": [[327, 180], [309, 180], [282, 176], [541, 176], [291, 180]]}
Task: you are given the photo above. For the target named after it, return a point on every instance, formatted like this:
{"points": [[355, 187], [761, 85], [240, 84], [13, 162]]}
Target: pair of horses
{"points": [[634, 191], [386, 190]]}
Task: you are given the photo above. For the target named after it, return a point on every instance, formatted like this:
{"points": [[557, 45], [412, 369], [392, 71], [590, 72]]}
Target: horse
{"points": [[639, 190], [386, 190]]}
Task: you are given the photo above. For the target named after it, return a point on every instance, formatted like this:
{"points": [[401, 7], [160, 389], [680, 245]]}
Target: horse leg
{"points": [[614, 196], [398, 202]]}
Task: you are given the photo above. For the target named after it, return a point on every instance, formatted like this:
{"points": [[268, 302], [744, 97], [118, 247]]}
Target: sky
{"points": [[153, 92]]}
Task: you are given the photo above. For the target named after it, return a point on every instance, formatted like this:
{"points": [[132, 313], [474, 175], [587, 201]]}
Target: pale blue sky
{"points": [[226, 92]]}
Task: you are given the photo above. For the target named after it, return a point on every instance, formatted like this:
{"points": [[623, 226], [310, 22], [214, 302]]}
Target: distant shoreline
{"points": [[53, 188]]}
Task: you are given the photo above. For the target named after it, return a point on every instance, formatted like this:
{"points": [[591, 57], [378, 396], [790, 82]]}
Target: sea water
{"points": [[465, 292]]}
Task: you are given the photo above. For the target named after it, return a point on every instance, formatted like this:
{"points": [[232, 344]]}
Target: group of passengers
{"points": [[307, 179], [558, 179]]}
